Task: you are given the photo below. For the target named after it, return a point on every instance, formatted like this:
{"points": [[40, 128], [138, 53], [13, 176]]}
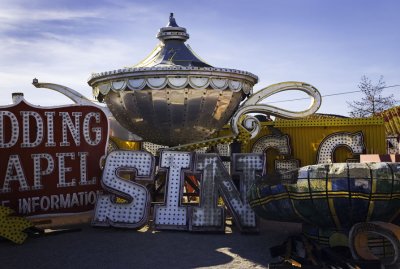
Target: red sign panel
{"points": [[50, 158]]}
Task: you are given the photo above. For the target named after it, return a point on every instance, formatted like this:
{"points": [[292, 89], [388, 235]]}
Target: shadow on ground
{"points": [[116, 248]]}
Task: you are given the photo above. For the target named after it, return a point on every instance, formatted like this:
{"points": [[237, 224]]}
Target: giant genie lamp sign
{"points": [[50, 157]]}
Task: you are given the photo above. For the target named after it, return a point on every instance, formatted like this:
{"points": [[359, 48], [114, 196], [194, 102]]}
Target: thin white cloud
{"points": [[13, 18], [36, 18], [11, 15]]}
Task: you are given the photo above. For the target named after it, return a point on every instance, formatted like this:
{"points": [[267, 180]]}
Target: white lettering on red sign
{"points": [[47, 154]]}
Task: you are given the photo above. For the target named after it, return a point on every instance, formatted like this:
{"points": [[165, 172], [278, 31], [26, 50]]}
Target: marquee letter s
{"points": [[134, 213]]}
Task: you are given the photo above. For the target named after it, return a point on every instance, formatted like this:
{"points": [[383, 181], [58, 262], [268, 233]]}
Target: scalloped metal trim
{"points": [[199, 82], [175, 82], [235, 85], [157, 83], [118, 85], [219, 83], [136, 84], [169, 68], [247, 88], [104, 88]]}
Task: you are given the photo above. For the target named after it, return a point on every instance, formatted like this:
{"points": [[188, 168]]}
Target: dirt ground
{"points": [[146, 248]]}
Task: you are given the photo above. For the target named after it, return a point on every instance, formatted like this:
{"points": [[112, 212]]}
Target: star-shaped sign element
{"points": [[13, 227]]}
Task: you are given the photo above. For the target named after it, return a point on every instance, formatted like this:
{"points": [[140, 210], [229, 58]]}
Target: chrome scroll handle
{"points": [[252, 105]]}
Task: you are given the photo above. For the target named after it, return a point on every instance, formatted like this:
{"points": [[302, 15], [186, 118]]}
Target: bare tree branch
{"points": [[372, 102]]}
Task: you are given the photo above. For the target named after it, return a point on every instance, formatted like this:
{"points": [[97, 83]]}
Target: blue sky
{"points": [[329, 44]]}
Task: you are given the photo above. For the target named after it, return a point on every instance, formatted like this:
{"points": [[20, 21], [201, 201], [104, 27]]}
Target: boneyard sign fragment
{"points": [[50, 157]]}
